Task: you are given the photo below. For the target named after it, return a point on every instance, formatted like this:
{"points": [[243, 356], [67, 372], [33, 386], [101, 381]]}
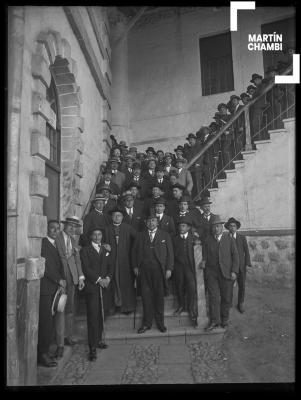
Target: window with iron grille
{"points": [[216, 64]]}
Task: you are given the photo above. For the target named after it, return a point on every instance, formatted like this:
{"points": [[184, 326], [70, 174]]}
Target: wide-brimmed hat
{"points": [[150, 149], [205, 200], [251, 87], [167, 154], [160, 200], [181, 148], [191, 136], [122, 143], [184, 220], [185, 198], [105, 187], [254, 76], [179, 186], [243, 95], [126, 194], [216, 219], [221, 105], [98, 197], [181, 159], [114, 159], [234, 96], [232, 220], [72, 220], [117, 209], [59, 301], [133, 184], [96, 228]]}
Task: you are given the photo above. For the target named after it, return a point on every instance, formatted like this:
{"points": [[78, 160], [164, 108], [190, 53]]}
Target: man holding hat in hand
{"points": [[244, 259], [154, 260], [69, 255], [221, 263], [98, 268]]}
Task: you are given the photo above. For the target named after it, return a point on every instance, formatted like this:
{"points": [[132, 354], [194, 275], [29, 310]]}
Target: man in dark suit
{"points": [[173, 178], [139, 180], [98, 269], [107, 181], [128, 169], [133, 214], [53, 279], [221, 263], [244, 259], [135, 188], [168, 167], [185, 211], [204, 228], [256, 110], [96, 218], [165, 222], [109, 203], [173, 205], [154, 260], [156, 192], [69, 255], [150, 174], [184, 270], [161, 179]]}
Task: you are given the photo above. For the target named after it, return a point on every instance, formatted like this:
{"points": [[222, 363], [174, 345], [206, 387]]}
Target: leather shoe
{"points": [[102, 345], [240, 308], [46, 361], [211, 327], [92, 355], [69, 341], [162, 329], [224, 324], [59, 352], [178, 311], [143, 329]]}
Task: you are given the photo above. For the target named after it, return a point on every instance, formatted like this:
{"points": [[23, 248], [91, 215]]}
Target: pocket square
{"points": [[163, 241]]}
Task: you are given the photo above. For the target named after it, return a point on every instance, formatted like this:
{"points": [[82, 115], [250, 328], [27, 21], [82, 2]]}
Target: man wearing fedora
{"points": [[251, 90], [239, 124], [185, 178], [109, 202], [227, 138], [273, 99], [150, 155], [139, 180], [184, 272], [161, 179], [150, 173], [135, 189], [128, 169], [98, 269], [133, 213], [165, 222], [118, 177], [179, 150], [168, 167], [173, 204], [96, 217], [154, 261], [184, 210], [173, 179], [53, 279], [221, 263], [107, 181], [120, 236], [245, 98], [205, 219], [156, 192], [69, 255], [160, 158], [244, 259]]}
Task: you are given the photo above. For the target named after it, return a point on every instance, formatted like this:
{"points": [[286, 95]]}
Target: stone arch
{"points": [[52, 59]]}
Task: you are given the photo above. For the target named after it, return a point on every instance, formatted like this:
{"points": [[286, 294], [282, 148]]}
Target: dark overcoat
{"points": [[93, 220], [137, 220], [54, 271]]}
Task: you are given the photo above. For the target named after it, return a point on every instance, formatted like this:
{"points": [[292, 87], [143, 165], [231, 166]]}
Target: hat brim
{"points": [[71, 223], [59, 302], [232, 222]]}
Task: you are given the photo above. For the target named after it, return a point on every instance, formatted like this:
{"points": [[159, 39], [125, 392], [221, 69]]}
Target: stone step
{"points": [[248, 154], [47, 376], [230, 173], [221, 183], [261, 143], [239, 164]]}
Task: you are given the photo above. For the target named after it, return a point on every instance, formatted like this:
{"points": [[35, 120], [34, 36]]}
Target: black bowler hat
{"points": [[205, 200], [117, 209], [179, 148], [191, 136], [232, 220], [221, 105], [254, 76], [184, 220], [185, 198], [151, 215], [133, 184], [160, 200], [178, 186], [250, 87], [97, 228], [234, 96], [150, 149]]}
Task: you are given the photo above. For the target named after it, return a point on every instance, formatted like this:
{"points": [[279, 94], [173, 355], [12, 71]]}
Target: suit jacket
{"points": [[73, 262], [137, 220], [115, 189], [54, 271], [163, 251], [190, 215], [144, 187], [172, 169], [93, 220], [119, 179], [185, 179], [164, 185], [95, 265], [243, 252], [228, 257], [128, 176], [204, 227], [110, 204], [167, 224], [177, 251]]}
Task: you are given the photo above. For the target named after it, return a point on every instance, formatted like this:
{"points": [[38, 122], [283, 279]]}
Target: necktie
{"points": [[130, 170], [130, 213], [107, 183], [160, 180], [69, 247], [114, 171], [151, 236], [216, 237]]}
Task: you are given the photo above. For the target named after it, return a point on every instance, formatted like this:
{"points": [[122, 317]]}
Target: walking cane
{"points": [[103, 318], [135, 286]]}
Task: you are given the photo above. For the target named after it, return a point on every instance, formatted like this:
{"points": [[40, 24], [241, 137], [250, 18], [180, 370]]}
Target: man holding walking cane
{"points": [[98, 269]]}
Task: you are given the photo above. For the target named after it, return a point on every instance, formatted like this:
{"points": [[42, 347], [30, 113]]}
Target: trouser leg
{"points": [[94, 319], [147, 297], [46, 325], [241, 281], [179, 284], [226, 293], [69, 310], [214, 297], [59, 323], [158, 295], [190, 286]]}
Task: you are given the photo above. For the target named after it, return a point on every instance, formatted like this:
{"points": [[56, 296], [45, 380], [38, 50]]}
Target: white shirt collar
{"points": [[234, 235], [129, 210], [52, 241], [159, 216], [185, 235], [96, 246], [180, 169], [219, 237], [153, 232]]}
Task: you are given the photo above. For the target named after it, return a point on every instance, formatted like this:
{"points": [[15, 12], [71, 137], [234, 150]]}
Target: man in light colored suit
{"points": [[69, 255], [185, 178], [221, 263]]}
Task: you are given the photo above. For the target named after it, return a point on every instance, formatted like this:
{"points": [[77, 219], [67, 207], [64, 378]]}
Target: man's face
{"points": [[152, 165], [152, 223], [179, 153], [116, 152], [160, 155], [245, 100], [232, 227], [117, 217], [177, 193], [114, 165], [173, 179], [160, 174], [251, 92], [168, 160], [217, 229], [156, 192], [129, 163], [124, 151], [129, 201], [183, 228], [192, 141], [223, 111], [69, 229], [134, 191], [107, 176], [183, 206], [149, 153], [96, 237], [257, 81], [99, 204], [234, 102], [159, 208], [179, 164], [137, 172], [206, 208], [105, 193], [53, 230]]}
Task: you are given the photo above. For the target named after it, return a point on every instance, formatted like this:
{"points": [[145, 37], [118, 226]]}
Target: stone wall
{"points": [[273, 260], [166, 101]]}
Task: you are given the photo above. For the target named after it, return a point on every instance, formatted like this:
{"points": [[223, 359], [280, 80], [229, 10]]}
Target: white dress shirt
{"points": [[152, 234], [97, 248], [219, 237], [52, 241], [160, 216], [129, 210], [179, 170], [184, 235]]}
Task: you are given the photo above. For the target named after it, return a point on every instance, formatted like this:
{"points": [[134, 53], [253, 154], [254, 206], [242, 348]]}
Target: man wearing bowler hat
{"points": [[98, 269], [245, 98], [138, 179], [179, 150], [205, 218], [239, 124], [109, 203], [161, 179], [173, 204], [221, 263], [53, 279], [154, 261], [165, 222], [133, 214], [69, 255], [120, 236], [184, 272], [128, 169], [135, 189], [107, 181], [244, 259], [173, 179], [168, 167], [150, 155]]}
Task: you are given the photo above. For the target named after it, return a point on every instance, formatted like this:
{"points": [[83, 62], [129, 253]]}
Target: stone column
{"points": [[15, 68], [202, 313], [119, 90]]}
